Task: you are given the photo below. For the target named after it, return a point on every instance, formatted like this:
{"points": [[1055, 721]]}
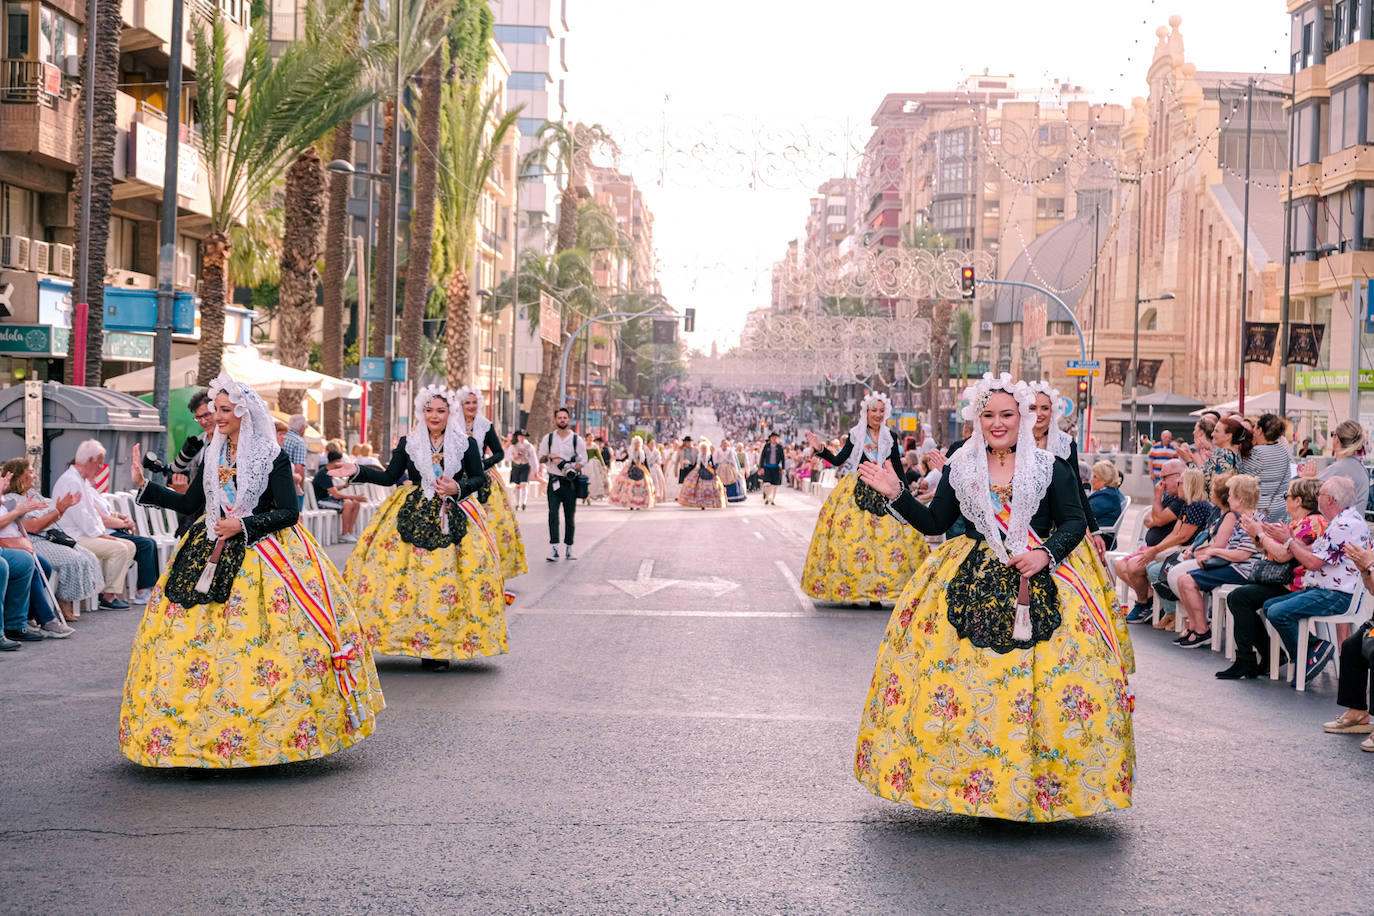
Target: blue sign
{"points": [[1365, 301], [398, 370], [372, 369], [1066, 406], [1085, 364]]}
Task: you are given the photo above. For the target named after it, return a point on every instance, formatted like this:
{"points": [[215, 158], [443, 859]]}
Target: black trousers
{"points": [[683, 472], [145, 557], [562, 493], [1245, 603], [1353, 687]]}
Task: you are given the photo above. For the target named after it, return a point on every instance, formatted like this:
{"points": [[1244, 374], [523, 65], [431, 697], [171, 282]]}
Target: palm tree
{"points": [[572, 146], [471, 150], [300, 253], [279, 108], [106, 30]]}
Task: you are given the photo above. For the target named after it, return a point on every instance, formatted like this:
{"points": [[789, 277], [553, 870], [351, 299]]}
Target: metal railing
{"points": [[23, 80]]}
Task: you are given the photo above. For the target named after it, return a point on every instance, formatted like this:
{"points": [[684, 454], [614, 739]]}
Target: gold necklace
{"points": [[1001, 454]]}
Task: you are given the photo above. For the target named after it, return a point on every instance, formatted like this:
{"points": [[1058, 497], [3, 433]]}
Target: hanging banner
{"points": [[1117, 367], [1260, 337], [1147, 373], [1304, 343]]}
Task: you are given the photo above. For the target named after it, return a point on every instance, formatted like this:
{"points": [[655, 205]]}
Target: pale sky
{"points": [[700, 95]]}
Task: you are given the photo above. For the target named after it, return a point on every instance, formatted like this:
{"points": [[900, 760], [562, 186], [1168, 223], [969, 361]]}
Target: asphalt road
{"points": [[670, 739]]}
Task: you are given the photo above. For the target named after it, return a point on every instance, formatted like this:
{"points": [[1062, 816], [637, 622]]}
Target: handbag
{"points": [[1272, 572], [582, 486], [635, 473], [705, 473], [59, 537], [1214, 563], [1366, 634]]}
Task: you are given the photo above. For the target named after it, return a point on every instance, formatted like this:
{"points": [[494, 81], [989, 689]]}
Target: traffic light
{"points": [[966, 282], [1082, 396], [689, 320]]}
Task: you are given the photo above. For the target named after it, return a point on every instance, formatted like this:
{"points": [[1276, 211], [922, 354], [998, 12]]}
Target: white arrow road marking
{"points": [[644, 583]]}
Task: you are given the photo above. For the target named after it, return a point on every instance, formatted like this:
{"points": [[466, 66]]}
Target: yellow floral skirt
{"points": [[857, 556], [501, 518], [250, 681], [444, 604], [1036, 734]]}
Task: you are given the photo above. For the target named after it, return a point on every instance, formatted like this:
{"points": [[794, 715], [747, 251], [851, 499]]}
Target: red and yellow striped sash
{"points": [[477, 519], [320, 611]]}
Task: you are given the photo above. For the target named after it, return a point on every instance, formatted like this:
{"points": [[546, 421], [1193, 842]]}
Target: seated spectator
{"points": [[329, 496], [1175, 516], [1330, 578], [1105, 499], [1271, 460], [1354, 685], [1166, 579], [362, 456], [1305, 524], [14, 539], [90, 526], [1224, 560], [76, 571], [1349, 447]]}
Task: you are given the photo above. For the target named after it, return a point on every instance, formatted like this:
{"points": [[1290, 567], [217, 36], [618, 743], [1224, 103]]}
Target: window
{"points": [[57, 37], [1309, 132], [121, 251], [524, 79], [1107, 134], [1348, 28], [1339, 213], [949, 214], [953, 143], [1049, 208], [521, 34], [1053, 135], [953, 177], [529, 127], [835, 210], [994, 136], [1090, 200], [1304, 37], [19, 212], [1343, 122], [18, 44]]}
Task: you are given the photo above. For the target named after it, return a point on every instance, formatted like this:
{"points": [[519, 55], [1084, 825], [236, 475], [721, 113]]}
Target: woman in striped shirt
{"points": [[1271, 460]]}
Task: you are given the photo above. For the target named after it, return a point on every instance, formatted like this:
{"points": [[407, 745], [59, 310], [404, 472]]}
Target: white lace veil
{"points": [[257, 449], [1058, 442], [455, 438], [858, 436], [968, 469], [637, 451], [480, 424]]}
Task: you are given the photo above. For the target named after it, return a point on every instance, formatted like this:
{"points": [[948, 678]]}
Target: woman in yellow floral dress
{"points": [[500, 513], [249, 652], [858, 551], [1000, 689], [426, 573]]}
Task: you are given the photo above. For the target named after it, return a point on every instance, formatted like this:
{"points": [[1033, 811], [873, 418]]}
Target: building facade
{"points": [[41, 114]]}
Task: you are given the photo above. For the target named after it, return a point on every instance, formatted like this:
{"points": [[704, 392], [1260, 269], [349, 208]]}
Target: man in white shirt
{"points": [[563, 454], [88, 523]]}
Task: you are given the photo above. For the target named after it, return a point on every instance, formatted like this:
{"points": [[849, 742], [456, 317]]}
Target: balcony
{"points": [[1310, 83], [41, 116], [1351, 61]]}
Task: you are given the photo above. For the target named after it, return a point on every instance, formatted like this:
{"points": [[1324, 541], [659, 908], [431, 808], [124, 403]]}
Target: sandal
{"points": [[1367, 744], [1346, 724], [1166, 622]]}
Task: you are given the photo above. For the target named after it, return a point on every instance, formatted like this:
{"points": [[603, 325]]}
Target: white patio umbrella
{"points": [[245, 364], [1269, 403]]}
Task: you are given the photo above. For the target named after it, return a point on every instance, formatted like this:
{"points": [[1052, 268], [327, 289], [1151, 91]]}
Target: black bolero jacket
{"points": [[276, 510], [491, 442], [840, 457], [1058, 519], [401, 467]]}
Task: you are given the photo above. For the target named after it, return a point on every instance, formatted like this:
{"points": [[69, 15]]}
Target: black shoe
{"points": [[1239, 670], [113, 604], [434, 664], [8, 645], [24, 635], [1192, 640]]}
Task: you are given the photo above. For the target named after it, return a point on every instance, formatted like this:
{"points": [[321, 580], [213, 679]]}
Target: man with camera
{"points": [[563, 454]]}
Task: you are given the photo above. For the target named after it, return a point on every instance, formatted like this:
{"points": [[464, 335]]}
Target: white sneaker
{"points": [[56, 629], [553, 553], [567, 553], [348, 539]]}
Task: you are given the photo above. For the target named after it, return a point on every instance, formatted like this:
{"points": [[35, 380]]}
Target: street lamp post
{"points": [[1135, 324]]}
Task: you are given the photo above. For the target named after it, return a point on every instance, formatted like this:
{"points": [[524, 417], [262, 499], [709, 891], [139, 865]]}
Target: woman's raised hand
{"points": [[881, 477], [137, 468]]}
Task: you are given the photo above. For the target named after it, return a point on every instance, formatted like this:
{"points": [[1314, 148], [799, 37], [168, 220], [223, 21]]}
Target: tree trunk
{"points": [[383, 307], [458, 329], [214, 292], [300, 253], [336, 249], [422, 213], [104, 135], [545, 398]]}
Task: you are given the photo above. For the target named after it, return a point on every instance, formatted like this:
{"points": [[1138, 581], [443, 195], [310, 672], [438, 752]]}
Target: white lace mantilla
{"points": [[858, 436], [257, 449], [1058, 442], [418, 446], [480, 423]]}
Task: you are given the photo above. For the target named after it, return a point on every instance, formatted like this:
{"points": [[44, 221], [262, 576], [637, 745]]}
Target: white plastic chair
{"points": [[1128, 532], [1223, 627], [1356, 614], [321, 523]]}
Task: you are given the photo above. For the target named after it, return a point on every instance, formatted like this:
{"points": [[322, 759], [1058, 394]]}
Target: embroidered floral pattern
{"points": [[859, 556]]}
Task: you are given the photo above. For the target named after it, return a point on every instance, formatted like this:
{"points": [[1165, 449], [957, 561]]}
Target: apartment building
{"points": [[1332, 213], [40, 157]]}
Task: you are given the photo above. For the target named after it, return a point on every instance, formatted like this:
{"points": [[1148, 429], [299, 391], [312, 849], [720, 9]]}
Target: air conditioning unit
{"points": [[38, 256], [130, 279], [63, 260], [987, 325], [71, 65], [185, 274], [14, 252]]}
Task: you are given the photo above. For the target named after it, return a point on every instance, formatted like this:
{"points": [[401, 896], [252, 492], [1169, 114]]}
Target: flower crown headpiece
{"points": [[876, 397], [1042, 387], [978, 393], [427, 394]]}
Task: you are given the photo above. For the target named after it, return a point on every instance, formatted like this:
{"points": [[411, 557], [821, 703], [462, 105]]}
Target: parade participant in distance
{"points": [[426, 572], [771, 460], [500, 515], [563, 454], [701, 488], [522, 459], [633, 487], [249, 652], [1000, 690], [858, 551]]}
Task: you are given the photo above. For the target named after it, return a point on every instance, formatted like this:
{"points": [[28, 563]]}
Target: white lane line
{"points": [[759, 535], [803, 600], [645, 612], [744, 519]]}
